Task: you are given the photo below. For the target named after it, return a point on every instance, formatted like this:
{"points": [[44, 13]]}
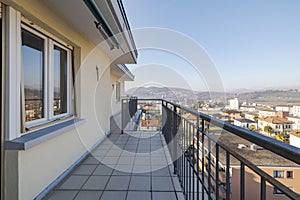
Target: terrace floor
{"points": [[134, 165]]}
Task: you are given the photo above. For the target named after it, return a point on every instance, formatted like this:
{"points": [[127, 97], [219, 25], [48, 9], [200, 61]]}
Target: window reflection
{"points": [[33, 75], [60, 81]]}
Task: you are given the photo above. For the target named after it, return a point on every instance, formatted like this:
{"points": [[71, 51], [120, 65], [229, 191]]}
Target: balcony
{"points": [[159, 154]]}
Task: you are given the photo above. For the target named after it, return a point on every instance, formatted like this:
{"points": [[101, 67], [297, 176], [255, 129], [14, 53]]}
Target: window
{"points": [[46, 78], [289, 174], [278, 174], [118, 92]]}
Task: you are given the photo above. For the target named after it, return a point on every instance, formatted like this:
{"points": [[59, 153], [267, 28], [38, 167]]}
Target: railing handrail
{"points": [[285, 150]]}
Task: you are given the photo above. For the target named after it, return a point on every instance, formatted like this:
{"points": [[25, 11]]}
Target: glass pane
{"points": [[60, 81], [33, 72]]}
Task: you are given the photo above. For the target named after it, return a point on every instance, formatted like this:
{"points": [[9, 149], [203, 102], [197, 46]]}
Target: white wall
{"points": [[295, 141]]}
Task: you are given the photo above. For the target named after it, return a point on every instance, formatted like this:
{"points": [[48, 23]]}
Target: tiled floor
{"points": [[133, 165]]}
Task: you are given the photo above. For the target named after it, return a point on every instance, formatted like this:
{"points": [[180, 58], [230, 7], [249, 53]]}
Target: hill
{"points": [[187, 97]]}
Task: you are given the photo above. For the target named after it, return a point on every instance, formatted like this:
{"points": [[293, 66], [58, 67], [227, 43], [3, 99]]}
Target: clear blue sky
{"points": [[255, 44]]}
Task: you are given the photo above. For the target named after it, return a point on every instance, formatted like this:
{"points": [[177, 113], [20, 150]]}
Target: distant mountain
{"points": [[188, 97]]}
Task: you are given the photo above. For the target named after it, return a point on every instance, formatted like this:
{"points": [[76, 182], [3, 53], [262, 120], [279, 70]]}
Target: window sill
{"points": [[42, 135]]}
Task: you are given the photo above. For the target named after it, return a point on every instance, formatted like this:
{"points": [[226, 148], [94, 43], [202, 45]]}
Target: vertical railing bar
{"points": [[209, 168], [262, 188], [217, 171], [174, 138], [193, 164], [197, 161], [202, 156], [182, 152], [242, 181], [227, 175], [184, 166], [189, 160]]}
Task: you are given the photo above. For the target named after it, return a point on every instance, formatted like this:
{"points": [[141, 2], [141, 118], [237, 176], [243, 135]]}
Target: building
{"points": [[232, 114], [247, 108], [278, 124], [234, 104], [295, 139], [296, 110], [296, 124], [251, 115], [284, 108], [71, 76], [277, 167], [245, 123], [266, 113], [282, 114]]}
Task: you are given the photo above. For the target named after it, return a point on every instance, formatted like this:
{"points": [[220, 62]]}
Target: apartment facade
{"points": [[266, 113], [244, 123], [296, 120], [278, 124], [62, 76], [295, 139], [296, 110]]}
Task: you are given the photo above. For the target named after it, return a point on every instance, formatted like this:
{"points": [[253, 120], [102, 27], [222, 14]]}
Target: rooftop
{"points": [[260, 157], [297, 134], [244, 120], [276, 120]]}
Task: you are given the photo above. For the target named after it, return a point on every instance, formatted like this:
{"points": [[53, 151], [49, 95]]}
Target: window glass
{"points": [[60, 81], [278, 174], [33, 75], [289, 174]]}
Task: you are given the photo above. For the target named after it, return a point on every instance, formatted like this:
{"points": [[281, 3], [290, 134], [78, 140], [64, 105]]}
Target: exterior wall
{"points": [[296, 110], [248, 108], [34, 169], [284, 109], [294, 140], [244, 124], [276, 127], [266, 113], [296, 120], [234, 104], [252, 183]]}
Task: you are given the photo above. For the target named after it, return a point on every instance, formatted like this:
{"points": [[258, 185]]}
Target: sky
{"points": [[253, 44]]}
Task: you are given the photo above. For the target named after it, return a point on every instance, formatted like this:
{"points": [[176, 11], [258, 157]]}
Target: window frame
{"points": [[44, 119], [52, 44], [49, 44], [275, 173]]}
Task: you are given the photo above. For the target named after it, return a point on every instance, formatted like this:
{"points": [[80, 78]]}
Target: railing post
{"points": [[122, 116], [202, 156], [174, 138], [227, 176], [263, 188], [242, 181], [197, 160]]}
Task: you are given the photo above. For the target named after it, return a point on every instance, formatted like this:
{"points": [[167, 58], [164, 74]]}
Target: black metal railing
{"points": [[129, 108], [203, 162]]}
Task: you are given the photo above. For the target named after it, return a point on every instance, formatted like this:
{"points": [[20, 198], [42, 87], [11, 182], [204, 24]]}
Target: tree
{"points": [[268, 129], [281, 137], [255, 118], [252, 128]]}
